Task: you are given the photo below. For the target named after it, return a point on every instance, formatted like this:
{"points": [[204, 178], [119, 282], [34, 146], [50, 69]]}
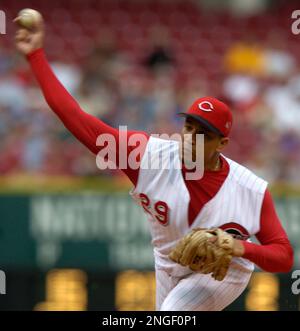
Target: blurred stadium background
{"points": [[70, 238]]}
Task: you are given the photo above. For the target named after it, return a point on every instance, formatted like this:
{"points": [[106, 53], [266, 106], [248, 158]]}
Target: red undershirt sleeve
{"points": [[85, 127], [275, 254]]}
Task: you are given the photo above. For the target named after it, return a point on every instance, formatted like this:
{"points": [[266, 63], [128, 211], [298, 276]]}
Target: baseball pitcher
{"points": [[200, 228]]}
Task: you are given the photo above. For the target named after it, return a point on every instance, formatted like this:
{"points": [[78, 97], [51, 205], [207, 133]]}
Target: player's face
{"points": [[213, 143]]}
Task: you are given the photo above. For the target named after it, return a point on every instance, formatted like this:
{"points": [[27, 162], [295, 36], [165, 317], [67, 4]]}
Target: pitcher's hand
{"points": [[27, 40]]}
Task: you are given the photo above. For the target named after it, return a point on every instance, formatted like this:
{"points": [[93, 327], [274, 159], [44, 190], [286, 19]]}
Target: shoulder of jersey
{"points": [[162, 143], [245, 177]]}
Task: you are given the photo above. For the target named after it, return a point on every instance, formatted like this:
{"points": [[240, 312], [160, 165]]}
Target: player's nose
{"points": [[194, 134]]}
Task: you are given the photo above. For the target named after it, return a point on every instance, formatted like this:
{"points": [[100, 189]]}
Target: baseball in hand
{"points": [[28, 18]]}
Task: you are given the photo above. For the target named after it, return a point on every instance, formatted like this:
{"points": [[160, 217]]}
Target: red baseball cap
{"points": [[211, 113]]}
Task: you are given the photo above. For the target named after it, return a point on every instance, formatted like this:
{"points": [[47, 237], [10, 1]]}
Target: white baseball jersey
{"points": [[236, 208]]}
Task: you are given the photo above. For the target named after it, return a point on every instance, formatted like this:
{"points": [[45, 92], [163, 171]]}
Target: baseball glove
{"points": [[205, 251]]}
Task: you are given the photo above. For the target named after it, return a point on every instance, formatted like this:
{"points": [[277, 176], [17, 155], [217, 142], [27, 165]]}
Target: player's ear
{"points": [[222, 143]]}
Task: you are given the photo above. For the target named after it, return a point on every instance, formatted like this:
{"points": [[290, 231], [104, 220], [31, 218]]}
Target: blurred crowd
{"points": [[142, 77]]}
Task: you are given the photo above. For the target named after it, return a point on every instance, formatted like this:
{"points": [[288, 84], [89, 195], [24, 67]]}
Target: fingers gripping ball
{"points": [[28, 18], [205, 251]]}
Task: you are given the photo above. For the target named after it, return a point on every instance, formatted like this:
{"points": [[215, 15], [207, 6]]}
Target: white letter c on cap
{"points": [[210, 107]]}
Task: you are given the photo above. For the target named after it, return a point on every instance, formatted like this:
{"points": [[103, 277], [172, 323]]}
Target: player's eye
{"points": [[188, 127]]}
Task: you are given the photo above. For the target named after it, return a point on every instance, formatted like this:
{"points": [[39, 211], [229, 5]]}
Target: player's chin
{"points": [[187, 151]]}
